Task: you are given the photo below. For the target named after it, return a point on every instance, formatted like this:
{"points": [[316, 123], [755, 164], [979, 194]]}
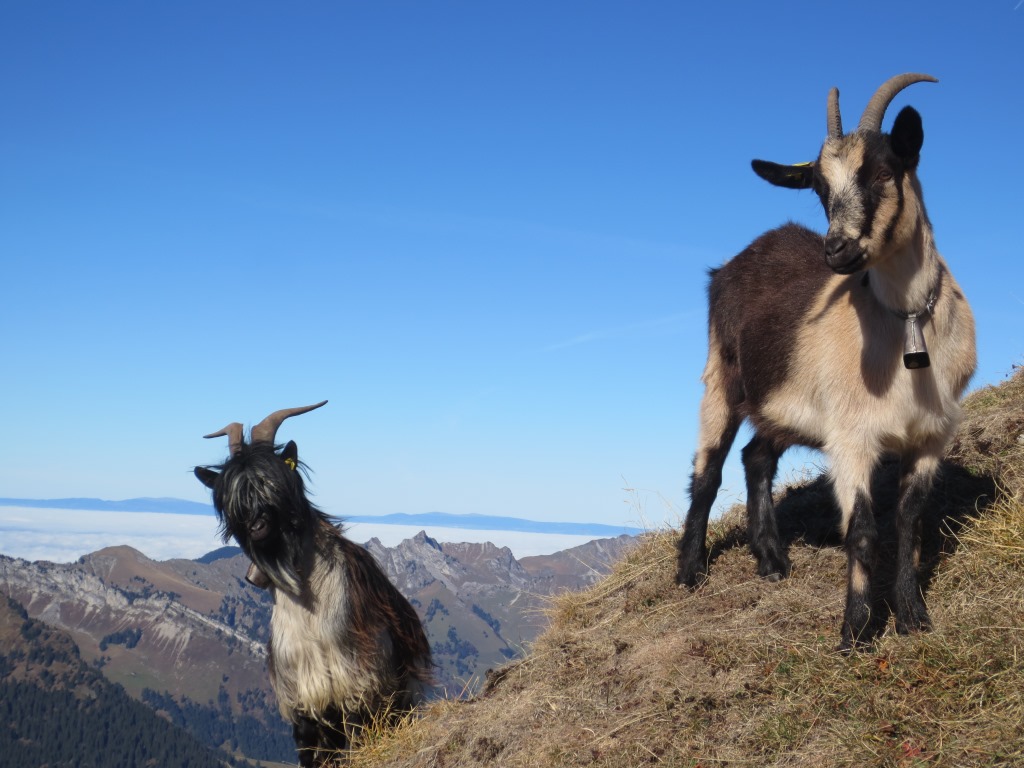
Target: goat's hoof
{"points": [[917, 622], [774, 569], [860, 640], [691, 579], [848, 646]]}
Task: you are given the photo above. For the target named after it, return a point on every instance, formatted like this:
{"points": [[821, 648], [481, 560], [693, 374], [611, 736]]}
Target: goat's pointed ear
{"points": [[797, 176], [907, 136], [207, 476], [290, 454]]}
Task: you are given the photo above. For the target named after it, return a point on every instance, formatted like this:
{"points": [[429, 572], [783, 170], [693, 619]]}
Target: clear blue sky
{"points": [[480, 229]]}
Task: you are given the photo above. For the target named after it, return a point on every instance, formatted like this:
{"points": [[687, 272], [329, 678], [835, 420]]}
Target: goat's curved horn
{"points": [[835, 120], [266, 430], [234, 435], [871, 120]]}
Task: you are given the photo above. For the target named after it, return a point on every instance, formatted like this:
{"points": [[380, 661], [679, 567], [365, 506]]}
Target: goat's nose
{"points": [[842, 255], [834, 247]]}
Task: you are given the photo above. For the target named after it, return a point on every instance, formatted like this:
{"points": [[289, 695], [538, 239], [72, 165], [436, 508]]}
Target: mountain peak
{"points": [[423, 539], [221, 553]]}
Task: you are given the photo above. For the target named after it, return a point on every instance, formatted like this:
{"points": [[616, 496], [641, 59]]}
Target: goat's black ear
{"points": [[797, 176], [207, 476], [907, 136], [290, 454]]}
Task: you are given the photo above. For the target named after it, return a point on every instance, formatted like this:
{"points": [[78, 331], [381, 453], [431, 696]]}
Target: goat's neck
{"points": [[908, 279]]}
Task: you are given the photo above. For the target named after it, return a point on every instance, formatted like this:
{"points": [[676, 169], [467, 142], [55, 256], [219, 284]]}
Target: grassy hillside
{"points": [[744, 672]]}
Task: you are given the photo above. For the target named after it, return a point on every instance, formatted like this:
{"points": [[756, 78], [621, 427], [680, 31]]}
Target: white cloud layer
{"points": [[64, 535]]}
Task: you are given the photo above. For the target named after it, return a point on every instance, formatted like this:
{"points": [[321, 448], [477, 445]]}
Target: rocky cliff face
{"points": [[480, 605], [184, 638]]}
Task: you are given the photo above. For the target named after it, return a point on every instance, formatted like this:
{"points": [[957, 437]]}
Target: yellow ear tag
{"points": [[796, 175], [291, 463]]}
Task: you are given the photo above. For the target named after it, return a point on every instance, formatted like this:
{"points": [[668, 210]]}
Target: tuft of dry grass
{"points": [[991, 439], [742, 672]]}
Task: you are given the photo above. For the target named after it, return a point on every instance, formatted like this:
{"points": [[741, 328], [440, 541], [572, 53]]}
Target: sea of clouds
{"points": [[64, 535]]}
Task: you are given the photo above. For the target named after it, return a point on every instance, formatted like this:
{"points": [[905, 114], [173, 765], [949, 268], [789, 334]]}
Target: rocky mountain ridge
{"points": [[193, 633]]}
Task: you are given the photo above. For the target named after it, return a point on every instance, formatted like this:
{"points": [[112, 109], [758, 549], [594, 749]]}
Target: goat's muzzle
{"points": [[844, 256], [259, 530]]}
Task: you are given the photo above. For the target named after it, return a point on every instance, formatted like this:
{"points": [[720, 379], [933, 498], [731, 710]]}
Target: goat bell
{"points": [[915, 353], [256, 577]]}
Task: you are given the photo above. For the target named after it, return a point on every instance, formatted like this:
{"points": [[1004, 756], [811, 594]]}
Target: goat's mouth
{"points": [[259, 530], [844, 255], [854, 263]]}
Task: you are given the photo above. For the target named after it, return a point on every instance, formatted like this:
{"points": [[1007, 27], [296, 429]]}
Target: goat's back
{"points": [[812, 358], [757, 303]]}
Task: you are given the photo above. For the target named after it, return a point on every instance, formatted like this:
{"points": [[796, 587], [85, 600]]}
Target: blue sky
{"points": [[481, 230]]}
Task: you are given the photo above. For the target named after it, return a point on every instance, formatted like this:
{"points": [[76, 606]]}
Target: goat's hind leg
{"points": [[916, 479], [760, 461], [719, 423]]}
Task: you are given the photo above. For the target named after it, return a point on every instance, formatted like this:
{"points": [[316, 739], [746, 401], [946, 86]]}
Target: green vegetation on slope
{"points": [[57, 711]]}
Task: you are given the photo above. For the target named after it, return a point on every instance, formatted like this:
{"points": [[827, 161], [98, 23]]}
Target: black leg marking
{"points": [[693, 553], [306, 733], [861, 546], [321, 743], [911, 612], [760, 461]]}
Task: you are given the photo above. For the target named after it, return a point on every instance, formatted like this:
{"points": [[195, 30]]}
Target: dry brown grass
{"points": [[744, 673], [991, 440]]}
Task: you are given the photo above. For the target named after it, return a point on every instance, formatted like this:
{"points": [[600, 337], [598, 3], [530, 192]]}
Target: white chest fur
{"points": [[311, 667]]}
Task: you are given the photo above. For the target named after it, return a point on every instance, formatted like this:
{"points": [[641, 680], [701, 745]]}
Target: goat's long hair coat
{"points": [[346, 648]]}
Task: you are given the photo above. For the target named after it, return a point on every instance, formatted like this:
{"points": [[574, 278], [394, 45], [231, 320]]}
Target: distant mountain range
{"points": [[145, 504], [494, 523], [187, 637], [425, 520]]}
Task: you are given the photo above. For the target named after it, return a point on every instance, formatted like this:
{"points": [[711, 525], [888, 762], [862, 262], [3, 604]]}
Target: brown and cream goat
{"points": [[346, 648], [859, 343]]}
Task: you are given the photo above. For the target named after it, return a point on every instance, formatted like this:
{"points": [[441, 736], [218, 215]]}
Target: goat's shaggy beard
{"points": [[282, 562]]}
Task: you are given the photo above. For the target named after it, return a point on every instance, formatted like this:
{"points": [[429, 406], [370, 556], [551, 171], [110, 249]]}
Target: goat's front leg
{"points": [[319, 743], [916, 480], [851, 477], [306, 733]]}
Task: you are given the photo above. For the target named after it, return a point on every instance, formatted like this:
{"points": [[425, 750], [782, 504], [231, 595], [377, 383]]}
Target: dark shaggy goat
{"points": [[859, 343], [346, 648]]}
